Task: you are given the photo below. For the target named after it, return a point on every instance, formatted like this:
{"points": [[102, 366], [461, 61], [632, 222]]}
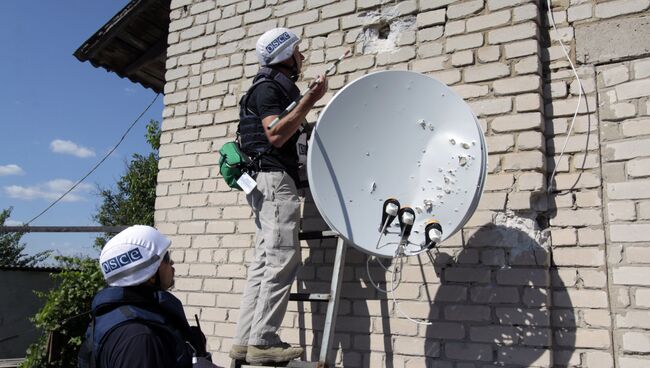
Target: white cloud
{"points": [[50, 190], [11, 170], [70, 148], [13, 223]]}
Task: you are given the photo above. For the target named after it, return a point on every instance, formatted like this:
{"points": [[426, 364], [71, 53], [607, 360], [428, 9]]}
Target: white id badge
{"points": [[246, 183]]}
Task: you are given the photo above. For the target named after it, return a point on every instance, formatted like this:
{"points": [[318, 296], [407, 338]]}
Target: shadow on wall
{"points": [[490, 303], [494, 305]]}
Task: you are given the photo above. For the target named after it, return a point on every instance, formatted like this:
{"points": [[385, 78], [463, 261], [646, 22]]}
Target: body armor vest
{"points": [[252, 139], [116, 306]]}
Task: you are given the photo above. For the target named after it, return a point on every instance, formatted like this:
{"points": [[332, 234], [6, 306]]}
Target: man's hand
{"points": [[319, 89]]}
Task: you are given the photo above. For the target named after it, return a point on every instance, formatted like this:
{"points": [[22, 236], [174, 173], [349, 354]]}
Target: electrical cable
{"points": [[97, 165], [372, 281], [392, 294], [575, 114]]}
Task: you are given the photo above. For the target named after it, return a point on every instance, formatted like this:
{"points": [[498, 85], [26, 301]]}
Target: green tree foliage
{"points": [[132, 201], [64, 317], [11, 249], [65, 311]]}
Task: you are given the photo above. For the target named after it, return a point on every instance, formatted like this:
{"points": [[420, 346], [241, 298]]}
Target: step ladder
{"points": [[326, 356]]}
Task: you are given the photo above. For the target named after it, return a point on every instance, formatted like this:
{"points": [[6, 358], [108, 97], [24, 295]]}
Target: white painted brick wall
{"points": [[492, 55]]}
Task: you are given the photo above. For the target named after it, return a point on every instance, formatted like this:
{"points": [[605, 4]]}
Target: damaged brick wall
{"points": [[534, 279]]}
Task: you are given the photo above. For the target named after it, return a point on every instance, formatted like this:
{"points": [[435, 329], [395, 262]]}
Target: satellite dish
{"points": [[396, 136]]}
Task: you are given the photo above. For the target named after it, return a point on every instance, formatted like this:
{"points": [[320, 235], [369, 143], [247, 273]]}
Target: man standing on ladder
{"points": [[277, 152]]}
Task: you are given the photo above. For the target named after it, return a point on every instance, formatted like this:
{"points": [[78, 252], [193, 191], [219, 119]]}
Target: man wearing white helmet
{"points": [[275, 203], [135, 321]]}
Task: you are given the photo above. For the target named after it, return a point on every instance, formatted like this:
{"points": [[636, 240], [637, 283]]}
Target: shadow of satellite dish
{"points": [[402, 135], [510, 310]]}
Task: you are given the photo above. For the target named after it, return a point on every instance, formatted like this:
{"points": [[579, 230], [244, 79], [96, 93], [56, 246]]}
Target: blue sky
{"points": [[59, 117]]}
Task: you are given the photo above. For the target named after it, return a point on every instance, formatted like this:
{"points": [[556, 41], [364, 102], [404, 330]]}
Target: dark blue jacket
{"points": [[163, 313]]}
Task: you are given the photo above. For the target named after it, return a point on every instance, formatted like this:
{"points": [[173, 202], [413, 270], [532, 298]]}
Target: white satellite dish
{"points": [[401, 135]]}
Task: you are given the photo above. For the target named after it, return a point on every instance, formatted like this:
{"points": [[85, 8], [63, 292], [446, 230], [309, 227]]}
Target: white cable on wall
{"points": [[575, 114]]}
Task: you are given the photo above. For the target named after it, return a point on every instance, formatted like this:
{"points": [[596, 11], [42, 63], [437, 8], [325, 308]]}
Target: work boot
{"points": [[263, 354], [238, 352]]}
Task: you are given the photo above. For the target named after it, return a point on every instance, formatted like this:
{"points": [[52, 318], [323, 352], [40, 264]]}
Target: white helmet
{"points": [[133, 256], [275, 46]]}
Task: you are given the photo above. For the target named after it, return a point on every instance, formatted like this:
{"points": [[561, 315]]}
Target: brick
{"points": [[632, 362], [337, 9], [403, 54], [517, 85], [489, 53], [579, 12], [453, 28], [464, 9], [621, 211], [525, 12], [491, 106], [492, 20], [522, 356], [638, 189], [303, 18], [576, 298], [322, 28], [615, 75], [448, 77], [633, 319], [500, 143], [512, 33], [523, 276], [633, 89], [464, 42], [430, 18], [642, 297], [433, 4], [201, 299], [467, 313], [467, 275], [641, 69], [471, 90], [522, 316], [633, 128], [631, 276], [468, 351], [521, 48], [491, 295], [486, 72], [567, 107], [492, 201], [430, 34], [581, 217], [512, 123], [573, 180], [636, 342], [506, 335], [630, 232], [627, 150], [462, 58], [563, 237], [528, 102], [588, 236], [615, 8], [588, 257], [414, 346], [524, 161]]}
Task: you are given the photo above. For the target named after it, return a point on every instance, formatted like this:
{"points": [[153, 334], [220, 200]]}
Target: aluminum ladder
{"points": [[326, 356]]}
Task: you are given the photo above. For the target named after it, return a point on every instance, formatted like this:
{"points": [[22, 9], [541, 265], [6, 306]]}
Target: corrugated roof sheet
{"points": [[133, 44]]}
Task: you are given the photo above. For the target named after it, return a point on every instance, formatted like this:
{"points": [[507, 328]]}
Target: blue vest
{"points": [[116, 306]]}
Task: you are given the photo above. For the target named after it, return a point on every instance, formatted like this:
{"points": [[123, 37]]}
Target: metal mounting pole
{"points": [[326, 357]]}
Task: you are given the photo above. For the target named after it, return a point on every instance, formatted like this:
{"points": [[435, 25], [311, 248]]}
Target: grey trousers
{"points": [[276, 206]]}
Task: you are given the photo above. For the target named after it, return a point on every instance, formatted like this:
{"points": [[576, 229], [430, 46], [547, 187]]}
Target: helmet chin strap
{"points": [[292, 70]]}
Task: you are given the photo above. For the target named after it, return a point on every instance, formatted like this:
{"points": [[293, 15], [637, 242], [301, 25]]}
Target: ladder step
{"points": [[309, 297], [311, 235]]}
